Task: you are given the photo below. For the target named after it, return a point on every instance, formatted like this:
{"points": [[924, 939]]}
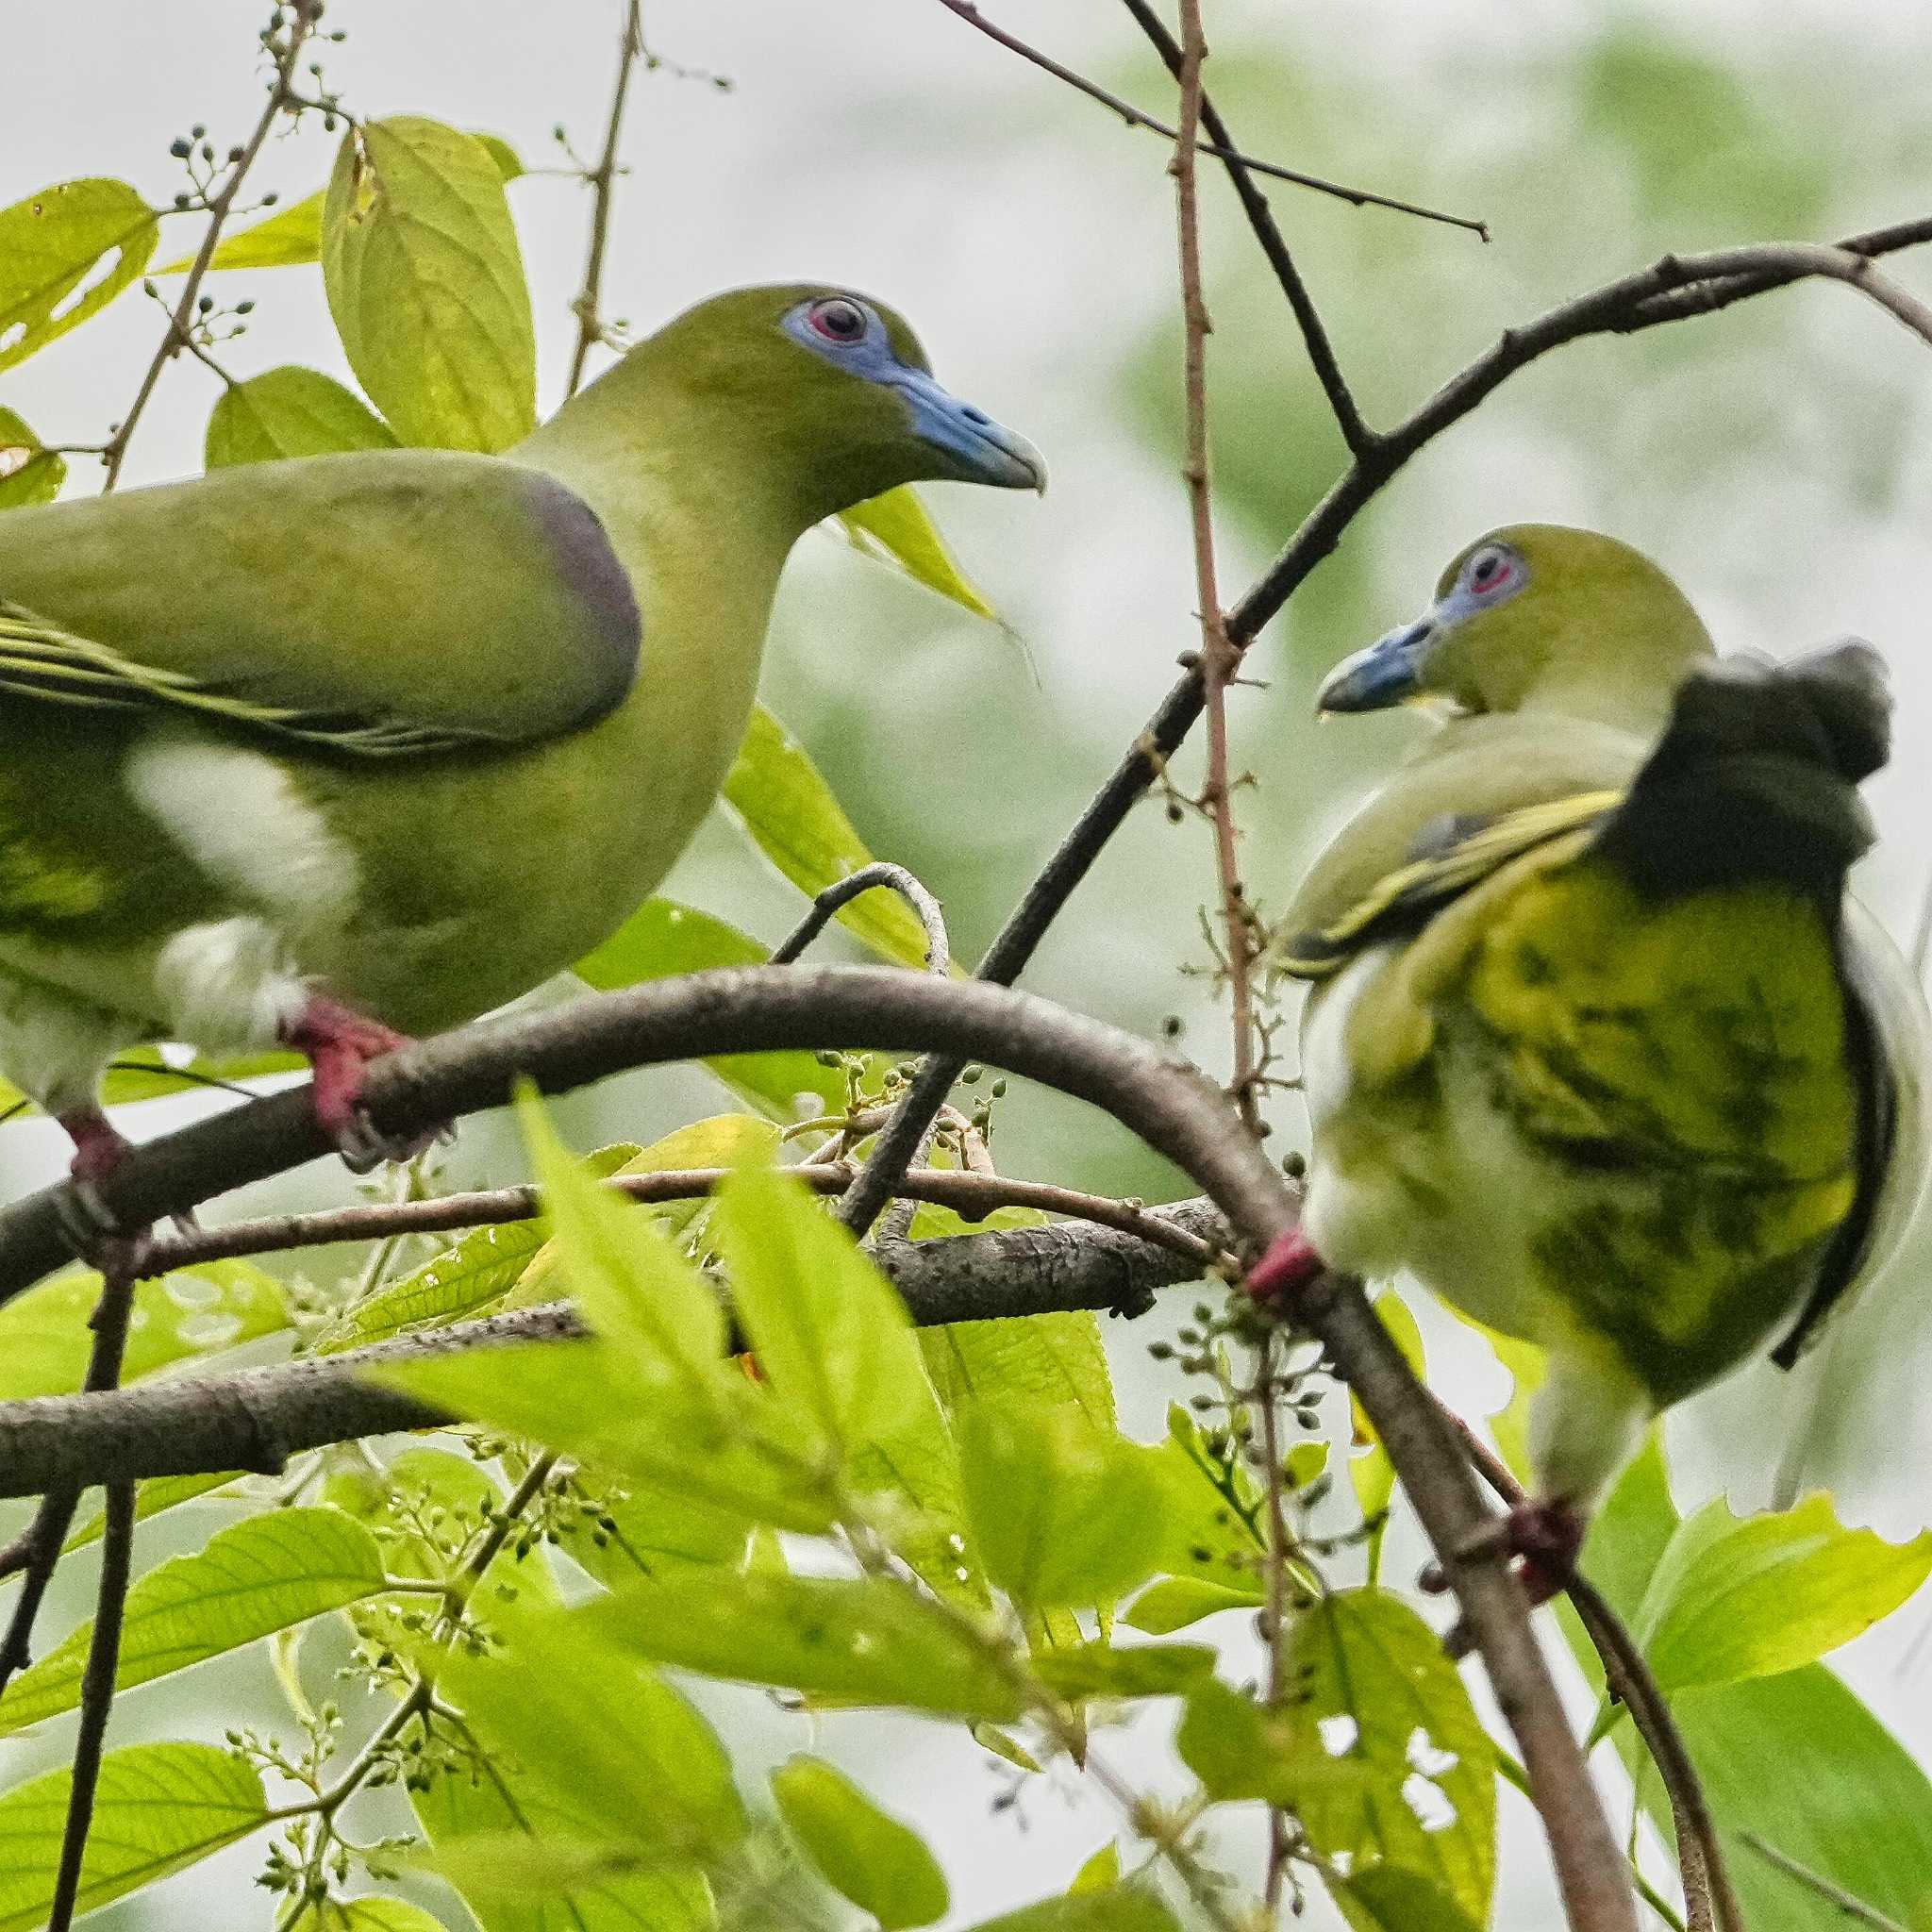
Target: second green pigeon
{"points": [[327, 752], [1600, 1048]]}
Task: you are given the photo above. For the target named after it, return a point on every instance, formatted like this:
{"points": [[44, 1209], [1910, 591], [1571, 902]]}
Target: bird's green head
{"points": [[1534, 614], [838, 384]]}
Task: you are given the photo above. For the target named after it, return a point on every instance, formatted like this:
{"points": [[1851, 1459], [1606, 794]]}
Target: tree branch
{"points": [[256, 1419], [1218, 147]]}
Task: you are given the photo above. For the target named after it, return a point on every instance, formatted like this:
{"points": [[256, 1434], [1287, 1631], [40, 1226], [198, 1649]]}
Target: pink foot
{"points": [[1288, 1267], [1546, 1535], [89, 1224], [341, 1044]]}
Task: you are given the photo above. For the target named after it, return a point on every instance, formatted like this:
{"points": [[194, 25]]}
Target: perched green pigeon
{"points": [[330, 751], [1599, 1048]]}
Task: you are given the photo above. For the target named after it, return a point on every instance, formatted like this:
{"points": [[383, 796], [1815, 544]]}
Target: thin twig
{"points": [[1709, 1899], [1356, 433], [1848, 1903], [1274, 1610], [1134, 117], [302, 20], [879, 875], [1219, 657], [603, 179], [971, 1196]]}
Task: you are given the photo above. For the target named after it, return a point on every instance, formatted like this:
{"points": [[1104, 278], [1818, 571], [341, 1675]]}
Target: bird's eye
{"points": [[837, 320], [1488, 570]]}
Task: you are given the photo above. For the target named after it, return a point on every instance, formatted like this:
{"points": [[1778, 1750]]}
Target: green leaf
{"points": [[426, 283], [1036, 1361], [290, 237], [374, 1915], [151, 1498], [1387, 1899], [1119, 1908], [720, 1443], [610, 1741], [867, 1640], [1214, 1510], [51, 243], [160, 1809], [897, 525], [863, 1853], [663, 938], [634, 1285], [1175, 1602], [1064, 1514], [829, 1333], [1146, 1670], [28, 472], [1100, 1873], [793, 819], [471, 1822], [1379, 1752], [254, 1577], [1748, 1598], [195, 1311], [290, 411], [1796, 1759]]}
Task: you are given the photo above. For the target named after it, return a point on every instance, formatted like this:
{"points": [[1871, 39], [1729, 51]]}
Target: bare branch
{"points": [[603, 180], [1709, 1899], [971, 1196], [1356, 433], [895, 878], [1134, 117]]}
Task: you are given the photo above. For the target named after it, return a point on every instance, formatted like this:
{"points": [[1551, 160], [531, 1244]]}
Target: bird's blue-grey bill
{"points": [[985, 451], [1386, 672]]}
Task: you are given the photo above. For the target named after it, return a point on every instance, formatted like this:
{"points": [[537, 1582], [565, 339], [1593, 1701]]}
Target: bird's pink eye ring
{"points": [[1488, 571], [837, 320]]}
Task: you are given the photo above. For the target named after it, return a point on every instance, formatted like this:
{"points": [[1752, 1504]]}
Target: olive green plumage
{"points": [[1599, 1049], [414, 730]]}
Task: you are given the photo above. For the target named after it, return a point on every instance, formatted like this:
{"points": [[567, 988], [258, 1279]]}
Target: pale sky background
{"points": [[1779, 471]]}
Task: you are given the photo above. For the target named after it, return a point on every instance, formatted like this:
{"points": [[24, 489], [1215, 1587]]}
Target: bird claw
{"points": [[93, 1229], [1289, 1264], [341, 1045]]}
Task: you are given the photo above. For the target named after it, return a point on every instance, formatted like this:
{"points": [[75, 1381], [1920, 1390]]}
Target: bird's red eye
{"points": [[838, 320]]}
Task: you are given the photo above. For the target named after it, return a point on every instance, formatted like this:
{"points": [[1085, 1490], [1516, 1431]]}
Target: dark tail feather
{"points": [[1756, 777]]}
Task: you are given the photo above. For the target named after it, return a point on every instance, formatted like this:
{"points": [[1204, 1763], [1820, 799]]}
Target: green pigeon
{"points": [[327, 752], [1599, 1047]]}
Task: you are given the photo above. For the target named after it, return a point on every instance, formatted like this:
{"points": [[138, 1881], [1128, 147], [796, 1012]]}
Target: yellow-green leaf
{"points": [[290, 237], [1115, 1909], [29, 473], [152, 1498], [1734, 1598], [159, 1809], [785, 803], [51, 244], [1371, 1471], [44, 1336], [864, 1853], [290, 411], [898, 527], [864, 1640], [663, 938], [425, 282], [255, 1578]]}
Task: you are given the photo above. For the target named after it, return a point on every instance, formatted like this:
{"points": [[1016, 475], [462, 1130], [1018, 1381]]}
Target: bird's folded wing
{"points": [[1452, 855], [382, 602]]}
